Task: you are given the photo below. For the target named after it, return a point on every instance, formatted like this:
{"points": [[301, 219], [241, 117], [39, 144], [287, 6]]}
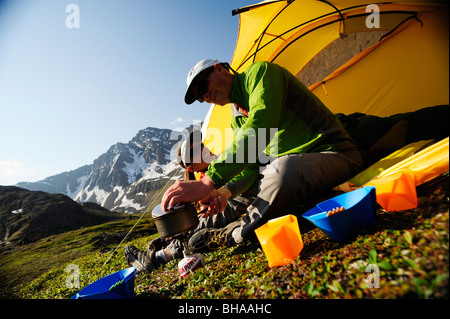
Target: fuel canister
{"points": [[190, 263]]}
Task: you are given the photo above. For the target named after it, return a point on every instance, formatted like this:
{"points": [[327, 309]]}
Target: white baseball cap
{"points": [[183, 152], [189, 97]]}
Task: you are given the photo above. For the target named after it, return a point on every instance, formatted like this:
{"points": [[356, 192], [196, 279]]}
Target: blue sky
{"points": [[68, 94]]}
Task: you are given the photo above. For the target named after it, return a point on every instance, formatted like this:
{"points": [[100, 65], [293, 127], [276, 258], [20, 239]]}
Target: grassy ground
{"points": [[19, 266], [406, 256]]}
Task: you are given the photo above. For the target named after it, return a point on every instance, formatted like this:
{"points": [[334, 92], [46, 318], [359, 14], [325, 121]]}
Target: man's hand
{"points": [[187, 192], [216, 201]]}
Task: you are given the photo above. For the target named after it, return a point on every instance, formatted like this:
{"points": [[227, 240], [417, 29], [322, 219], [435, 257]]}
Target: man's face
{"points": [[216, 86]]}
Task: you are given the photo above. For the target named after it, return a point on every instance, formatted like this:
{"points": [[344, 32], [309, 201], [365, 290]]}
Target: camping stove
{"points": [[178, 223], [190, 261]]}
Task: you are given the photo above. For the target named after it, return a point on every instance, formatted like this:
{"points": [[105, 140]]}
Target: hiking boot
{"points": [[158, 244], [139, 259], [210, 239]]}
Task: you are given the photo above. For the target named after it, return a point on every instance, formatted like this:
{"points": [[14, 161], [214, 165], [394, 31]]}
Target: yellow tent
{"points": [[355, 55]]}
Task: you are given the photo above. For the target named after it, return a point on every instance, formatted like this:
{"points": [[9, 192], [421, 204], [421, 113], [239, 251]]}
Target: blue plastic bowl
{"points": [[101, 289], [360, 213]]}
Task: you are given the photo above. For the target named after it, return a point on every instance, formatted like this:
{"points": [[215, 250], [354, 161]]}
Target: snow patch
{"points": [[155, 170], [97, 195], [81, 183], [134, 168], [114, 163], [127, 203]]}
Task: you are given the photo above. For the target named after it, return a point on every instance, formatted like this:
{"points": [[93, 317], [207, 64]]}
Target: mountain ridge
{"points": [[127, 177]]}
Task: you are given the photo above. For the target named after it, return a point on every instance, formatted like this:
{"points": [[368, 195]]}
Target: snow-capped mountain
{"points": [[127, 178]]}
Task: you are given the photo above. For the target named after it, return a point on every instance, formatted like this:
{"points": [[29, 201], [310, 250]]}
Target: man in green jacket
{"points": [[277, 121]]}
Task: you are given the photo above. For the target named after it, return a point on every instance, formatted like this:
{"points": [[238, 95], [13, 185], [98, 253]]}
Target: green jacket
{"points": [[284, 117]]}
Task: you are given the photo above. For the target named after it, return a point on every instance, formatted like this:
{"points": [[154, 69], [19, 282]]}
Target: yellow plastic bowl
{"points": [[281, 240]]}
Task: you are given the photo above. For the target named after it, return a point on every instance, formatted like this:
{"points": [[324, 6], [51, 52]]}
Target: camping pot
{"points": [[177, 220]]}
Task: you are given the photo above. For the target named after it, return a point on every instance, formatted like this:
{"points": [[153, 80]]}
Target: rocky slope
{"points": [[27, 216]]}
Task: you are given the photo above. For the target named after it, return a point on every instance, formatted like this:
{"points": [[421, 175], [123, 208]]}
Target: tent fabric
{"points": [[403, 73], [425, 165], [217, 133], [388, 161], [266, 28]]}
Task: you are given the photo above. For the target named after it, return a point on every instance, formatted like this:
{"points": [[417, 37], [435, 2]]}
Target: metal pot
{"points": [[177, 220]]}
